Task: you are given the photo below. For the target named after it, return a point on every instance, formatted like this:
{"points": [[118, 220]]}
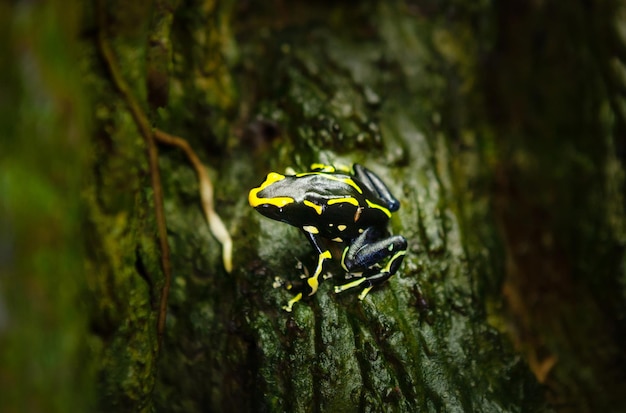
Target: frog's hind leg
{"points": [[365, 253]]}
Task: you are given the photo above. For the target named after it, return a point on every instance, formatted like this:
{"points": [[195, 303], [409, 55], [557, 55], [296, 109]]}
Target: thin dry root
{"points": [[218, 229]]}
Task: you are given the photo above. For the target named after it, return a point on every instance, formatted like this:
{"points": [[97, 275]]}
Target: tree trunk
{"points": [[498, 127]]}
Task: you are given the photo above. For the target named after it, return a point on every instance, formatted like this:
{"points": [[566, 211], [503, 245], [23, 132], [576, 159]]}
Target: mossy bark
{"points": [[498, 127]]}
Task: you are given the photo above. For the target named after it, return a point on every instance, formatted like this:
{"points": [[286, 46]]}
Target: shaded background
{"points": [[498, 125]]}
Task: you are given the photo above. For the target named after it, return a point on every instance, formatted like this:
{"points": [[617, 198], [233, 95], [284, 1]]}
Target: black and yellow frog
{"points": [[348, 207]]}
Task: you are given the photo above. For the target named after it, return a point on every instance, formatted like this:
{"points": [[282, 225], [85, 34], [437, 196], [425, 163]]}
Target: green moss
{"points": [[45, 362]]}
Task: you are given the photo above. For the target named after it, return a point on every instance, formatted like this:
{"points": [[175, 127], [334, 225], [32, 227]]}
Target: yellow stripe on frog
{"points": [[348, 200], [317, 208], [281, 201], [313, 280], [373, 205]]}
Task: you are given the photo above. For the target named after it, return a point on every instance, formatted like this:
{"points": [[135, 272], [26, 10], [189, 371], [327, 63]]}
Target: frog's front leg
{"points": [[365, 252], [312, 282]]}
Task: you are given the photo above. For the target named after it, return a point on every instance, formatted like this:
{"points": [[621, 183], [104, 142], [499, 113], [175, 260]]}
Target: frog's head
{"points": [[271, 196]]}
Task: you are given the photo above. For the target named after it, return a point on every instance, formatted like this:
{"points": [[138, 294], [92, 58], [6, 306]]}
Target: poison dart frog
{"points": [[332, 205]]}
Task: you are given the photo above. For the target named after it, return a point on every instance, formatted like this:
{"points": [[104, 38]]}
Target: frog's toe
{"points": [[291, 302], [364, 292]]}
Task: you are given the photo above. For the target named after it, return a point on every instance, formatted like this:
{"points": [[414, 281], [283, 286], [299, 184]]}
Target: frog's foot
{"points": [[280, 283], [291, 302], [364, 292], [301, 267], [356, 283], [350, 275]]}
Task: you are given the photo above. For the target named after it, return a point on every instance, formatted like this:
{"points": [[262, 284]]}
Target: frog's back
{"points": [[332, 205]]}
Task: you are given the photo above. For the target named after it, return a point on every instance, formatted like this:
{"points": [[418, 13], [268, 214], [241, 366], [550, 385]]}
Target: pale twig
{"points": [[218, 229]]}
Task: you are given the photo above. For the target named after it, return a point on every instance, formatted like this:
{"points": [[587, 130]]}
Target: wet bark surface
{"points": [[499, 128]]}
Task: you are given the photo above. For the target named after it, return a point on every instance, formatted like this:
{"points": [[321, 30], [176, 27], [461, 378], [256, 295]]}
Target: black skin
{"points": [[324, 206]]}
